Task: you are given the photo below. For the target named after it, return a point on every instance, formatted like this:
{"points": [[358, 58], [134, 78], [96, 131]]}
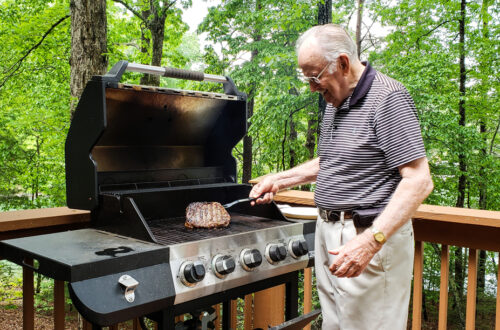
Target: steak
{"points": [[206, 215]]}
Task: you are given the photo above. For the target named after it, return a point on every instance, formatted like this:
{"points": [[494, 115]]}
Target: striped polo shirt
{"points": [[363, 142]]}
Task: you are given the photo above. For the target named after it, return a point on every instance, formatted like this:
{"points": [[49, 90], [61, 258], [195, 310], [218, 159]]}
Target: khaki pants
{"points": [[379, 297]]}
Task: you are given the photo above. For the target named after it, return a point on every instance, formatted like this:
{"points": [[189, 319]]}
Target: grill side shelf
{"points": [[101, 300], [82, 254]]}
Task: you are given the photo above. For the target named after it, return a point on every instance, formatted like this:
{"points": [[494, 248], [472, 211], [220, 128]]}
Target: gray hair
{"points": [[332, 40]]}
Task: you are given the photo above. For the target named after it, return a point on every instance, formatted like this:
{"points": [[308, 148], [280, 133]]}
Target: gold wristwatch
{"points": [[378, 235]]}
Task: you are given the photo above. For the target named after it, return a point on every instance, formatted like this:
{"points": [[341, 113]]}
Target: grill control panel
{"points": [[213, 265]]}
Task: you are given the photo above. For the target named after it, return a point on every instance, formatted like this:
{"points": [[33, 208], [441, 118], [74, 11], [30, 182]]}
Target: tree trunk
{"points": [[157, 28], [247, 139], [462, 181], [146, 79], [311, 135], [324, 12], [324, 17], [88, 44], [358, 26], [247, 146], [483, 183], [292, 138]]}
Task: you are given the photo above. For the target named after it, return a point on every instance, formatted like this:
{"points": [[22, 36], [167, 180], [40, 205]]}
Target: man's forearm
{"points": [[301, 174], [410, 193]]}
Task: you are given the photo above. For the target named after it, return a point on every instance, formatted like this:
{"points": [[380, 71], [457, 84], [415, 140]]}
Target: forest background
{"points": [[446, 52]]}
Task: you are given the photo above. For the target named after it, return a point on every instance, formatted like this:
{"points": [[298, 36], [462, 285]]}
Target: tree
{"points": [[153, 15], [88, 43]]}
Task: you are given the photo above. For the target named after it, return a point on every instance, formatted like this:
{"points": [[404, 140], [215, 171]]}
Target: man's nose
{"points": [[313, 86]]}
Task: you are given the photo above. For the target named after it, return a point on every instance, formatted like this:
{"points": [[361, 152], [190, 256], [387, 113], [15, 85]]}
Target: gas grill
{"points": [[136, 156]]}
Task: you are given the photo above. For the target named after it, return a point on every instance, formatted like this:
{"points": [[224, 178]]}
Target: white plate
{"points": [[300, 212]]}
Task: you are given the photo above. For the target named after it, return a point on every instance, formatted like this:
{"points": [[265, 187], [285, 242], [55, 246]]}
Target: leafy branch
{"points": [[429, 32], [494, 136], [14, 67]]}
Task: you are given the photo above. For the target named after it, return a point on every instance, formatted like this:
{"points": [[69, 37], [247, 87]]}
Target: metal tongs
{"points": [[249, 199]]}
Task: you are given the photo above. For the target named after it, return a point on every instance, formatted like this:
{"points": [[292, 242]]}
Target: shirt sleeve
{"points": [[398, 130]]}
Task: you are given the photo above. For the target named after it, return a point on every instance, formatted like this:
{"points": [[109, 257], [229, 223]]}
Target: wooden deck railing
{"points": [[473, 229]]}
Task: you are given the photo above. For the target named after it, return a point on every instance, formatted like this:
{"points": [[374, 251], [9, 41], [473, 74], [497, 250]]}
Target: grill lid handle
{"points": [[116, 72], [175, 73]]}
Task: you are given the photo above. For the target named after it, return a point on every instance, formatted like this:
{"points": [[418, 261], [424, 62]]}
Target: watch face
{"points": [[379, 237]]}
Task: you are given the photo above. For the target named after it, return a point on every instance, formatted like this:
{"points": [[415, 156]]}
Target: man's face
{"points": [[333, 86]]}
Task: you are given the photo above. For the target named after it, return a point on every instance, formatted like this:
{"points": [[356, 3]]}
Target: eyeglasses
{"points": [[315, 79]]}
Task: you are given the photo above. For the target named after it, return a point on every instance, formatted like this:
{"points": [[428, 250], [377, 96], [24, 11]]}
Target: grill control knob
{"points": [[275, 253], [250, 259], [298, 248], [192, 272], [223, 265]]}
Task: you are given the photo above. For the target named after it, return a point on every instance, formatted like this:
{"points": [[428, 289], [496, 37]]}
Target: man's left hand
{"points": [[353, 257]]}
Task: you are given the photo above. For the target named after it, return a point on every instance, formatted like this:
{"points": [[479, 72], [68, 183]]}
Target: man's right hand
{"points": [[267, 186]]}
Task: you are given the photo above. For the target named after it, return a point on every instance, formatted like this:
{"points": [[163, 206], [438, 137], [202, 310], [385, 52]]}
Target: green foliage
{"points": [[422, 51], [254, 43], [33, 103], [35, 96], [10, 284]]}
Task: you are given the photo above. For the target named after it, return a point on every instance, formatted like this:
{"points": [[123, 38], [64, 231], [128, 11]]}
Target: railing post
{"points": [[497, 321], [470, 313], [58, 305], [417, 285], [269, 307], [234, 314], [217, 321], [28, 297], [307, 293], [443, 287], [248, 312]]}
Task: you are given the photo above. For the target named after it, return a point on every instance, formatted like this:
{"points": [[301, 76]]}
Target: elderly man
{"points": [[371, 159]]}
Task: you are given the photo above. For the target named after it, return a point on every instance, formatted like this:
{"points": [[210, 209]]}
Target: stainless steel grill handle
{"points": [[175, 73]]}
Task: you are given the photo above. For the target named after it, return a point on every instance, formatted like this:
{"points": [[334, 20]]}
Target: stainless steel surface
{"points": [[205, 250], [129, 284]]}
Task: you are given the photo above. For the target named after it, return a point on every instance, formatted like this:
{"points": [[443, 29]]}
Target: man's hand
{"points": [[267, 186], [353, 257], [271, 184]]}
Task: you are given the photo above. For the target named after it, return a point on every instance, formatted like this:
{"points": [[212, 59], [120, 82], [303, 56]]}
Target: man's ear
{"points": [[343, 63]]}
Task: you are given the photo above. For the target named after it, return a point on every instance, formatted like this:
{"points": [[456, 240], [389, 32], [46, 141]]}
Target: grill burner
{"points": [[172, 231]]}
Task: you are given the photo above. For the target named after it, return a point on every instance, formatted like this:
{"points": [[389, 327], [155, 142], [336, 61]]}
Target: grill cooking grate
{"points": [[172, 231]]}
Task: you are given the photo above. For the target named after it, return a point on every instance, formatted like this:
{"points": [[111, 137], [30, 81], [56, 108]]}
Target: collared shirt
{"points": [[363, 142]]}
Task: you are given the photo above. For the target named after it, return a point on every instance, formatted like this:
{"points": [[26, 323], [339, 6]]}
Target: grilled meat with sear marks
{"points": [[206, 215]]}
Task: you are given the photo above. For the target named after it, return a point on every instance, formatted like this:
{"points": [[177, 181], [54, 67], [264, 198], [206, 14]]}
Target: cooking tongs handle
{"points": [[175, 73]]}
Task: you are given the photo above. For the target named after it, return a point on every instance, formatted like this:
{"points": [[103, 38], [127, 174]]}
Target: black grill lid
{"points": [[124, 136]]}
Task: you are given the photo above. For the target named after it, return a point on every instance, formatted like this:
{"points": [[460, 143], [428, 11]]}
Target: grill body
{"points": [[136, 156]]}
